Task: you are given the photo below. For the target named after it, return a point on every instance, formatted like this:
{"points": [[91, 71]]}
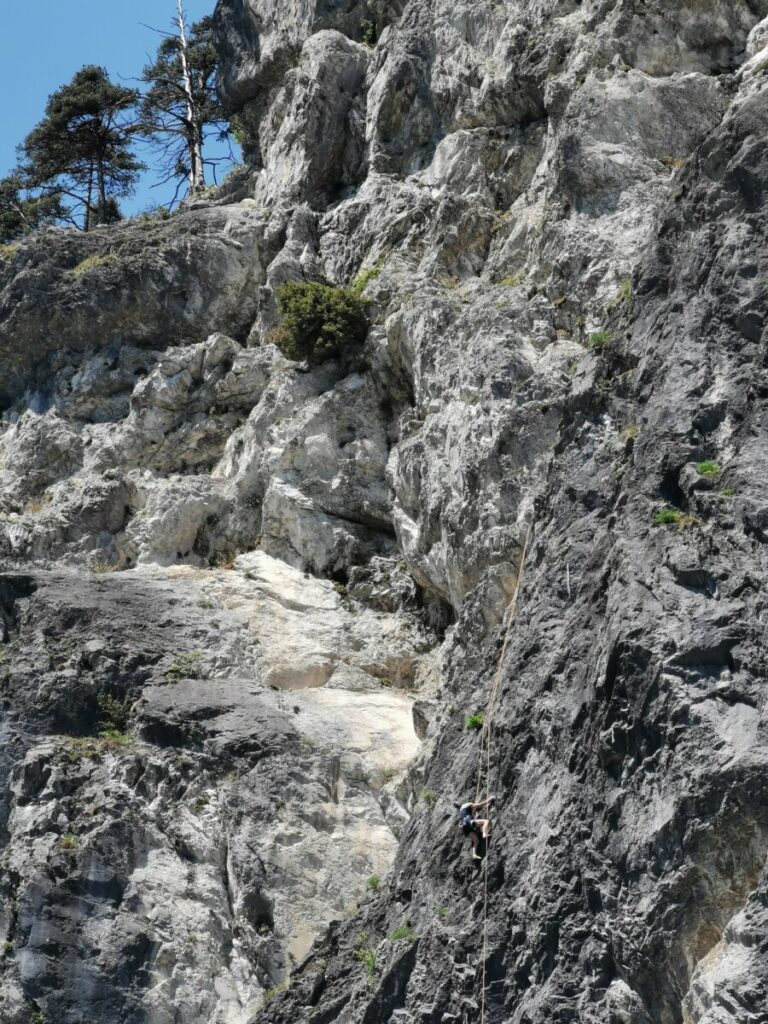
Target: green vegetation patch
{"points": [[319, 322], [186, 665], [599, 339], [512, 280], [113, 739], [404, 933], [92, 263], [373, 883], [622, 297], [364, 278], [368, 33], [7, 252], [672, 517], [708, 468], [476, 721], [114, 712], [364, 954], [271, 993], [81, 748], [99, 565]]}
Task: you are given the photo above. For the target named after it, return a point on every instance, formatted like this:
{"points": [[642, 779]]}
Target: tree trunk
{"points": [[88, 201], [194, 147], [102, 208]]}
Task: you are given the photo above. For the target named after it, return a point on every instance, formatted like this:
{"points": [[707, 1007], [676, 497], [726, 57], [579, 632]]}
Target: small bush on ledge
{"points": [[476, 721], [319, 321], [672, 517]]}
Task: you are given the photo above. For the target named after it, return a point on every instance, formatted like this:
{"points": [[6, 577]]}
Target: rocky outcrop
{"points": [[249, 604], [209, 771]]}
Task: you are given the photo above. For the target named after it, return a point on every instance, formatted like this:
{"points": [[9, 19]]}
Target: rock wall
{"points": [[248, 604]]}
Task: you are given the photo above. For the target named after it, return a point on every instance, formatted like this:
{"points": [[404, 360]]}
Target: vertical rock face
{"points": [[248, 605]]}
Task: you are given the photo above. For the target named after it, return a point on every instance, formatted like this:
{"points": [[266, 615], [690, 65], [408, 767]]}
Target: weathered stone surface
{"points": [[559, 208], [186, 862], [146, 283]]}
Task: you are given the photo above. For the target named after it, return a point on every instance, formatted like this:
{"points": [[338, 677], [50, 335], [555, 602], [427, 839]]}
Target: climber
{"points": [[476, 828]]}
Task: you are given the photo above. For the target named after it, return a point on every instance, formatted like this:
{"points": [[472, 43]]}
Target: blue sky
{"points": [[43, 43]]}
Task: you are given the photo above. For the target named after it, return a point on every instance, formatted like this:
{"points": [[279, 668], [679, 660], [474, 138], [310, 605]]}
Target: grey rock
{"points": [[559, 208], [145, 282]]}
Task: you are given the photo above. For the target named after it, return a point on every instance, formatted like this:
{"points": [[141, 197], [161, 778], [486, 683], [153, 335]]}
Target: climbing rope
{"points": [[485, 748]]}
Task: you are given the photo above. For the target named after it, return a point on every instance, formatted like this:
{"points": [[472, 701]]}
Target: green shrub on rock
{"points": [[319, 321], [476, 721], [599, 339], [672, 517]]}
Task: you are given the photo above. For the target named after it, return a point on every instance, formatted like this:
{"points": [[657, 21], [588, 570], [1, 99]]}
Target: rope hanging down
{"points": [[485, 747]]}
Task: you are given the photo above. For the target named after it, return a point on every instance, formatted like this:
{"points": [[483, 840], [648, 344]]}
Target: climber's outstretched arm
{"points": [[482, 803]]}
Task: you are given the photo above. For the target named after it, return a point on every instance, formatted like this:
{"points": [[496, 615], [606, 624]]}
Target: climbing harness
{"points": [[485, 747]]}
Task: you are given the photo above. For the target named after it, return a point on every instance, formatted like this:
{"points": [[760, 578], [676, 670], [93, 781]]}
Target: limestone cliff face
{"points": [[247, 605]]}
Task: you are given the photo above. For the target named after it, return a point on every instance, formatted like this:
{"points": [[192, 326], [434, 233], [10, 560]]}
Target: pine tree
{"points": [[21, 213], [81, 150], [181, 110]]}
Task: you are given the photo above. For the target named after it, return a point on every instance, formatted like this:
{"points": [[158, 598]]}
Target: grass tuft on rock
{"points": [[364, 278], [320, 321], [272, 993], [672, 517], [622, 297], [92, 263], [404, 933], [9, 250], [708, 468], [511, 280], [365, 955], [599, 339]]}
